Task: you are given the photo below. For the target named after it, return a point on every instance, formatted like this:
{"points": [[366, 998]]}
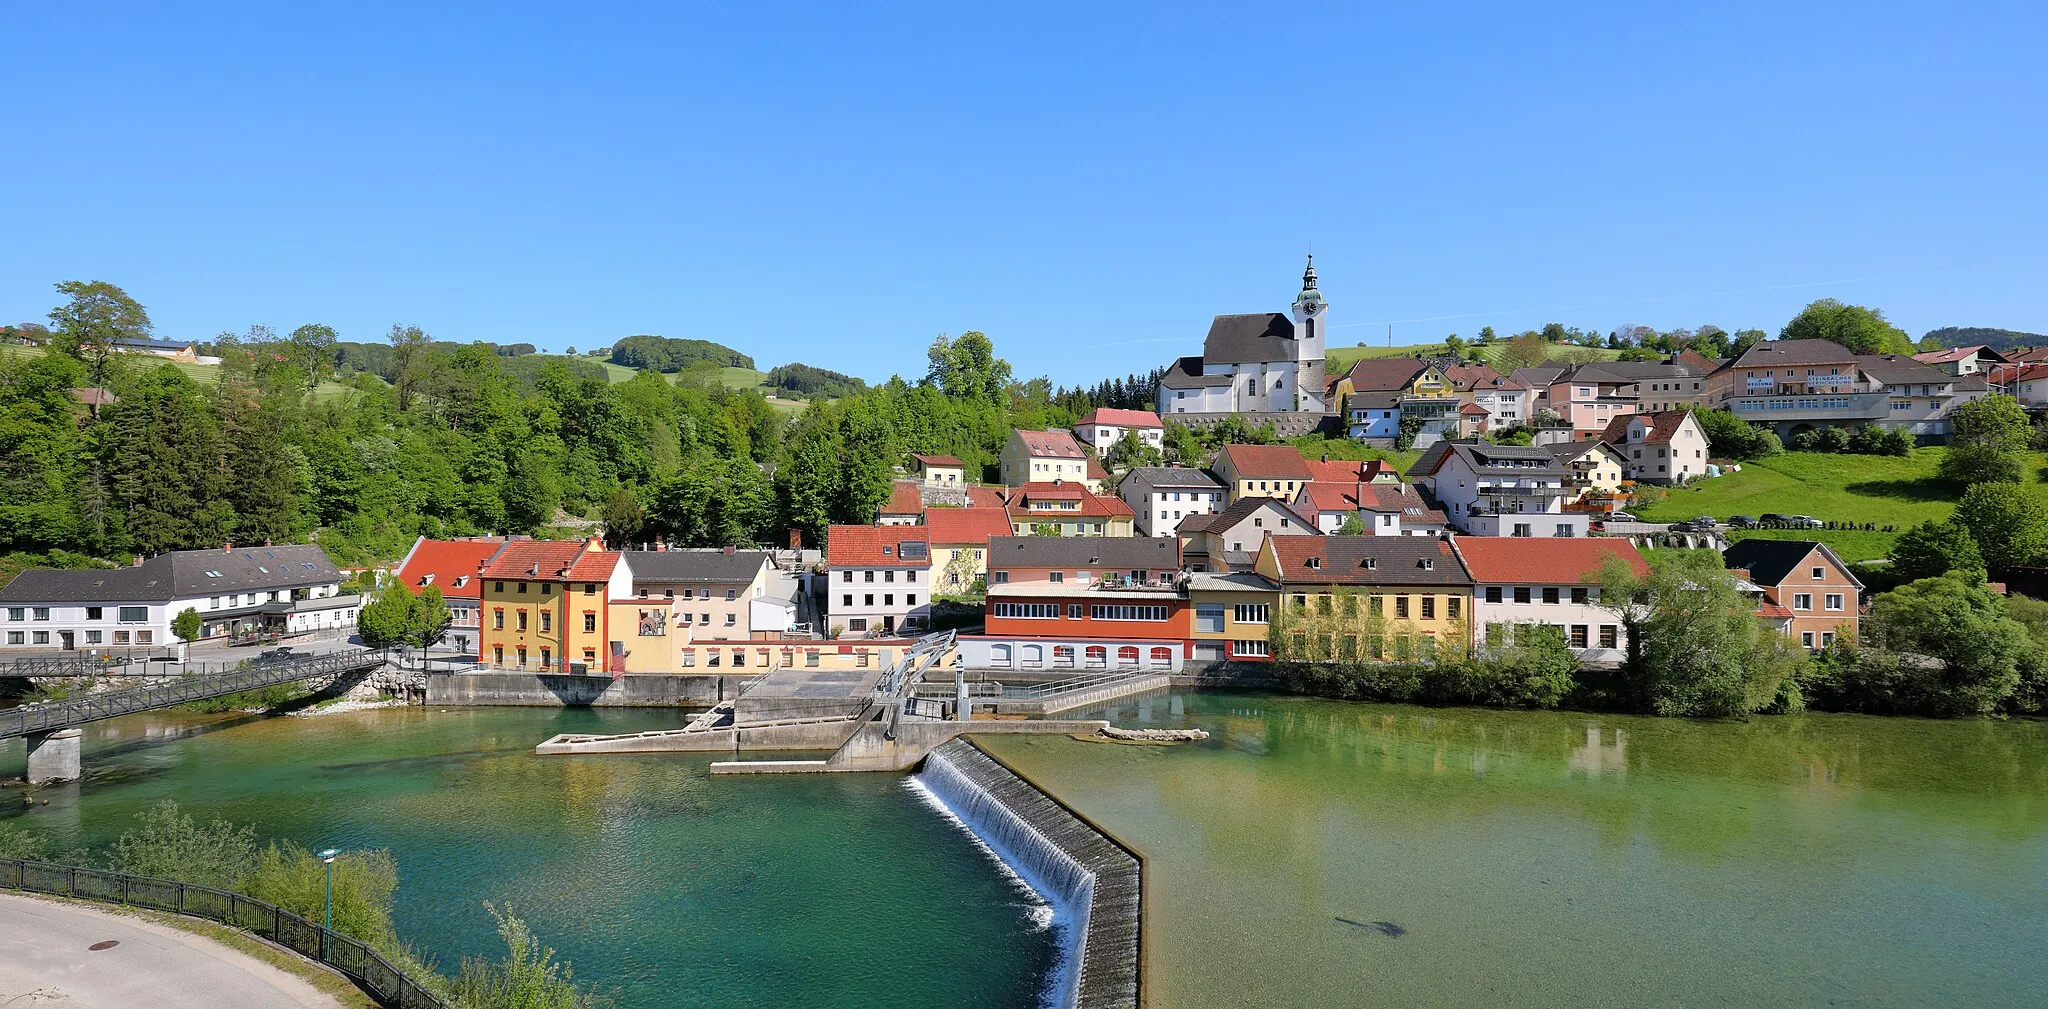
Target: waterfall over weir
{"points": [[1092, 879]]}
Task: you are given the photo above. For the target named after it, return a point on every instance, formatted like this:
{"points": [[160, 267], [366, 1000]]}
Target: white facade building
{"points": [[1500, 490], [236, 591], [1164, 496], [1261, 362]]}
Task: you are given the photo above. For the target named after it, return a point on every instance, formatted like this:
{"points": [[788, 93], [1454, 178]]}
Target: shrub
{"points": [[169, 845], [18, 843], [528, 978], [293, 878]]}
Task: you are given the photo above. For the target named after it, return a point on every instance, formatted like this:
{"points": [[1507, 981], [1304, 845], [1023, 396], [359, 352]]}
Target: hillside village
{"points": [[1467, 513]]}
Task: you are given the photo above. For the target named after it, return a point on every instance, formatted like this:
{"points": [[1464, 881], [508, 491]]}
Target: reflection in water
{"points": [[1554, 859]]}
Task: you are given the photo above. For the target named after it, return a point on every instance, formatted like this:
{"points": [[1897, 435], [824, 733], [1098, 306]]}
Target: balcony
{"points": [[1813, 407], [1520, 490]]}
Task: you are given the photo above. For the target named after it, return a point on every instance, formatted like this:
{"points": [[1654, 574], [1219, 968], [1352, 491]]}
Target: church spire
{"points": [[1308, 276]]}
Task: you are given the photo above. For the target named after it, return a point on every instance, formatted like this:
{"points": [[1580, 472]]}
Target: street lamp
{"points": [[327, 857]]}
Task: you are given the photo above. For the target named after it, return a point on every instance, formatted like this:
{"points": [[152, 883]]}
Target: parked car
{"points": [[1705, 521], [1769, 517], [1741, 521], [1806, 522], [1622, 517]]}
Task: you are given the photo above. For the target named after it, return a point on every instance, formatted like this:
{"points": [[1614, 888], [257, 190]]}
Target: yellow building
{"points": [[1369, 597], [1233, 616], [959, 546], [546, 607], [1592, 467], [1275, 471]]}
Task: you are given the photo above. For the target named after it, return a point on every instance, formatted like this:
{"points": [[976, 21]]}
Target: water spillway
{"points": [[1089, 878]]}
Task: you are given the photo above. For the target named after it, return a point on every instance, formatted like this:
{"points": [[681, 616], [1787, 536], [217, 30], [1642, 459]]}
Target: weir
{"points": [[1096, 881]]}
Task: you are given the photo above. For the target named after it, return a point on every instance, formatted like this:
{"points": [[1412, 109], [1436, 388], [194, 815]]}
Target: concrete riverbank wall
{"points": [[700, 690], [1088, 876]]}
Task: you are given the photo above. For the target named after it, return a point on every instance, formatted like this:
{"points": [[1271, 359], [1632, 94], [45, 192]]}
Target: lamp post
{"points": [[327, 857]]}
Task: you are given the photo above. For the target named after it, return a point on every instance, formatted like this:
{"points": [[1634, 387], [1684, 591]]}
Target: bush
{"points": [[169, 845], [293, 878], [18, 843], [528, 978]]}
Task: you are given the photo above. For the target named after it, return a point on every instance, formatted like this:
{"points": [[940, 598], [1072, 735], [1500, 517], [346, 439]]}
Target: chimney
{"points": [[728, 550], [595, 544], [1326, 457], [228, 547], [660, 545]]}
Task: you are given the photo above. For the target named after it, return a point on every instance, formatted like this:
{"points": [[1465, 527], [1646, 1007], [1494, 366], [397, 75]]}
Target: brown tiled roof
{"points": [[1792, 353], [1393, 560], [982, 496], [904, 499], [450, 564], [939, 461], [1385, 374], [1093, 505], [1543, 560], [1662, 427], [948, 526], [1056, 444], [876, 547], [1348, 471], [530, 560], [1467, 377], [1266, 462]]}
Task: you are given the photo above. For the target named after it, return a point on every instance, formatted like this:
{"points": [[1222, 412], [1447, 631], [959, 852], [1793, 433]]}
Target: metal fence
{"points": [[70, 712], [369, 970]]}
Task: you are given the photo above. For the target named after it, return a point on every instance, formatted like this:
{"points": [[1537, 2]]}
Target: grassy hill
{"points": [[1885, 490], [1339, 358], [204, 374]]}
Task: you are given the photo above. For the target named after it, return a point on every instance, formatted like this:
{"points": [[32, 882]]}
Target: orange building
{"points": [[545, 607]]}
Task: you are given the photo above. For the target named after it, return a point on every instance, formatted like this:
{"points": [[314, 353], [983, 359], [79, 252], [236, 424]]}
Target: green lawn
{"points": [[1886, 490], [1338, 359]]}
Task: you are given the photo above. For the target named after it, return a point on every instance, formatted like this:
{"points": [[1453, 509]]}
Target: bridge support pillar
{"points": [[963, 704], [53, 756]]}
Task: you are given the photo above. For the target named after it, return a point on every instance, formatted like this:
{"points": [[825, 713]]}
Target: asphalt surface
{"points": [[46, 961]]}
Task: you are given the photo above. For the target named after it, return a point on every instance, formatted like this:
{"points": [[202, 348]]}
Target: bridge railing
{"points": [[63, 714], [375, 975]]}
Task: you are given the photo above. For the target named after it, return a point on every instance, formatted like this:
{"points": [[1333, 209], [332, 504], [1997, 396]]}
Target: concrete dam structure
{"points": [[1088, 877]]}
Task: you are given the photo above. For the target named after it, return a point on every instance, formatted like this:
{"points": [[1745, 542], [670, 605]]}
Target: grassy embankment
{"points": [[204, 374], [1886, 490], [1338, 359]]}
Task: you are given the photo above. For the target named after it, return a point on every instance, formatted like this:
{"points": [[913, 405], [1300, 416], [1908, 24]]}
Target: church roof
{"points": [[1249, 339], [1186, 373]]}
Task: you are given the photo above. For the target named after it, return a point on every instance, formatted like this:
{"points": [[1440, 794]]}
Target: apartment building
{"points": [[1369, 597], [1063, 508], [1499, 490], [1073, 604], [1042, 457], [1103, 427], [1163, 496], [1227, 540], [879, 579], [1816, 589], [546, 607], [1660, 448], [959, 543], [235, 590], [452, 566], [1275, 471], [683, 602], [1550, 582], [1800, 385]]}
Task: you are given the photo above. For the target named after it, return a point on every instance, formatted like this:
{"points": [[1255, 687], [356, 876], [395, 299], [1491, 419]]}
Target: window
{"points": [[888, 598], [522, 591], [1610, 636], [1493, 593], [547, 658], [1521, 529], [1429, 607], [522, 620], [910, 599], [867, 576], [731, 619], [848, 576], [498, 587], [1579, 594], [120, 637], [547, 620], [1521, 593], [1249, 648], [1806, 638], [1451, 607], [498, 655], [1057, 577], [92, 637], [887, 576], [498, 620], [867, 599], [811, 657], [1074, 611], [590, 623], [998, 655], [1251, 613], [1819, 573], [1063, 656], [1827, 638], [847, 599], [1833, 600], [857, 624], [41, 612], [93, 612], [1578, 636], [1209, 619], [41, 637], [1802, 601], [134, 614], [1400, 607], [1550, 594], [1162, 656], [1102, 611], [1025, 611]]}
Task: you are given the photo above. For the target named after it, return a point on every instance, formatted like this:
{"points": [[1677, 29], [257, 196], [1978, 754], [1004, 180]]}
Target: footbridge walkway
{"points": [[869, 720], [52, 726]]}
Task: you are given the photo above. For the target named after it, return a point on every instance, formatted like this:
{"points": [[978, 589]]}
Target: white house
{"points": [[1227, 540], [1042, 457], [1103, 427], [1383, 509], [879, 579], [1666, 447], [2030, 385], [235, 590], [1499, 490], [1553, 582], [1373, 414], [1260, 362], [1163, 496]]}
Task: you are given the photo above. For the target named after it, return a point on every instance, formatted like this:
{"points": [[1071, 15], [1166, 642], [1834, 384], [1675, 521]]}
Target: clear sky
{"points": [[838, 183]]}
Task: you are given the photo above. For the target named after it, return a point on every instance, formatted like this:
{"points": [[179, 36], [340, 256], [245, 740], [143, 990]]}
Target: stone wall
{"points": [[550, 690], [1286, 425]]}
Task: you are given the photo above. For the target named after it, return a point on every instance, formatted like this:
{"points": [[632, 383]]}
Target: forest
{"points": [[300, 435]]}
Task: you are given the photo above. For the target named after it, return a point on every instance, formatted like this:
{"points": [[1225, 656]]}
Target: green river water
{"points": [[1567, 860], [1528, 859]]}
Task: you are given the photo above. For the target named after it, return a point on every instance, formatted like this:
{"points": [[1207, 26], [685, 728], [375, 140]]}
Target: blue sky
{"points": [[837, 184]]}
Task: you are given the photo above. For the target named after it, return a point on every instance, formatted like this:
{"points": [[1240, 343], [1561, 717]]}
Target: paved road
{"points": [[45, 962]]}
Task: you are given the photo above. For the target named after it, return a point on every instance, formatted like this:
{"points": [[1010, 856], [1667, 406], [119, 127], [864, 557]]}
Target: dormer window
{"points": [[1315, 563], [1370, 564], [1426, 564]]}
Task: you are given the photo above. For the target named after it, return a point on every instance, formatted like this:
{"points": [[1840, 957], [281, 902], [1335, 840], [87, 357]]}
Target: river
{"points": [[1523, 858], [1570, 860]]}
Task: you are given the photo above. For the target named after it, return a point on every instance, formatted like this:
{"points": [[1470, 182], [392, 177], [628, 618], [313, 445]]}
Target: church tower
{"points": [[1310, 322]]}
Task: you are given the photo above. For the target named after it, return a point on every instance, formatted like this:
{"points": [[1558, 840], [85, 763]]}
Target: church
{"points": [[1266, 362]]}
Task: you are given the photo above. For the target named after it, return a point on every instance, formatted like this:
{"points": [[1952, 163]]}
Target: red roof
{"points": [[1111, 417], [1349, 471], [450, 564], [1093, 505], [1525, 560], [875, 546], [1772, 610], [530, 560], [1662, 427], [1467, 377], [1057, 444], [904, 499], [966, 525], [1471, 409], [2029, 372], [1385, 374], [979, 496], [1266, 462], [1095, 470], [1324, 496], [594, 566], [944, 461]]}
